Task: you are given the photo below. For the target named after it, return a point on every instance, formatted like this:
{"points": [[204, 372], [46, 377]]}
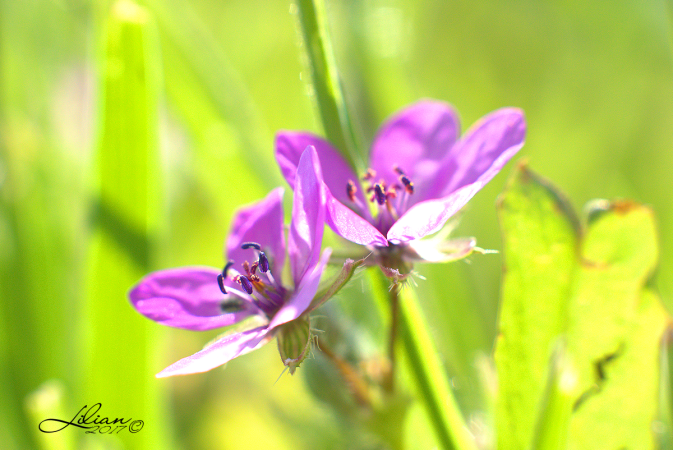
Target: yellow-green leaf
{"points": [[540, 238], [615, 327], [591, 288]]}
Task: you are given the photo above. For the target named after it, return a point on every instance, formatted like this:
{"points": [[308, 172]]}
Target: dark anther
{"points": [[247, 285], [408, 185], [379, 194], [220, 282], [351, 190], [247, 245], [398, 170], [371, 173], [226, 268], [263, 263]]}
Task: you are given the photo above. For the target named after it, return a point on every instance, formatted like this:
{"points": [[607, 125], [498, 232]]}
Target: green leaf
{"points": [[540, 237], [126, 218], [551, 432], [592, 288], [615, 326]]}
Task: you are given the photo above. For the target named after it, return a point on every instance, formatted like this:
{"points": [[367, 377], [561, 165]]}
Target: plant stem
{"points": [[421, 353], [430, 376], [425, 366], [389, 381], [357, 385], [325, 77]]}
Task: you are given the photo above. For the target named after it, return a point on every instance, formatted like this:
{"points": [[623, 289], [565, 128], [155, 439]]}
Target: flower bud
{"points": [[294, 340]]}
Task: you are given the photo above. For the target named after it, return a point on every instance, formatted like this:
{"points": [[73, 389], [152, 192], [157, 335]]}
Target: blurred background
{"points": [[97, 190]]}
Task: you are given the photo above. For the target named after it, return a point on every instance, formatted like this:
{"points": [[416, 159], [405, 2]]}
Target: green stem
{"points": [[325, 77], [352, 378], [430, 376], [425, 366], [389, 381]]}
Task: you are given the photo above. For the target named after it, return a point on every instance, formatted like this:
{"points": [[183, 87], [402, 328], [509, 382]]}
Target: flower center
{"points": [[390, 201], [256, 280]]}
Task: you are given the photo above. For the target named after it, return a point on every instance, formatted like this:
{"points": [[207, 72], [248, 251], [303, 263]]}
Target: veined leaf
{"points": [[540, 238], [615, 326], [592, 288]]}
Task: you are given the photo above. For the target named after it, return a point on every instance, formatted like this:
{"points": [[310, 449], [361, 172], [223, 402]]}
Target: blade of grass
{"points": [[120, 345], [39, 212], [194, 60]]}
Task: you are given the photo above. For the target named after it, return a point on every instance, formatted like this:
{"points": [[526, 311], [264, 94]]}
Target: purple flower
{"points": [[203, 298], [421, 172]]}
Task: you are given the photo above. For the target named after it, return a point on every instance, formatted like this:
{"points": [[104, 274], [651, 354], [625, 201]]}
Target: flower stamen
{"points": [[221, 277], [379, 194], [371, 173], [351, 190], [244, 282], [408, 185], [220, 282], [263, 262]]}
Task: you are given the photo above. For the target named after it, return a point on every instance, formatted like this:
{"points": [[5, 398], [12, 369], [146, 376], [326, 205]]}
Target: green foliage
{"points": [[126, 218], [591, 287]]}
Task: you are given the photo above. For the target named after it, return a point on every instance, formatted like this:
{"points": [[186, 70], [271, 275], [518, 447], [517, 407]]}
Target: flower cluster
{"points": [[421, 172]]}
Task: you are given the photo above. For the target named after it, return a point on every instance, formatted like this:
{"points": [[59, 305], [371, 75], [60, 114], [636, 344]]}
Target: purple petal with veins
{"points": [[349, 225], [188, 298], [416, 140], [218, 353], [428, 217], [308, 216], [482, 151], [289, 148]]}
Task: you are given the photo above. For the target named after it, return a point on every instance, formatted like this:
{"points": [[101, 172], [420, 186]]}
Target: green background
{"points": [[594, 78]]}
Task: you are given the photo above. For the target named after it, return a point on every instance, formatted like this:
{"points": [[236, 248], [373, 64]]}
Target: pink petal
{"points": [[188, 297], [308, 216], [261, 222], [289, 147], [349, 225], [416, 140], [429, 216], [344, 221], [220, 352], [304, 294], [483, 151]]}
